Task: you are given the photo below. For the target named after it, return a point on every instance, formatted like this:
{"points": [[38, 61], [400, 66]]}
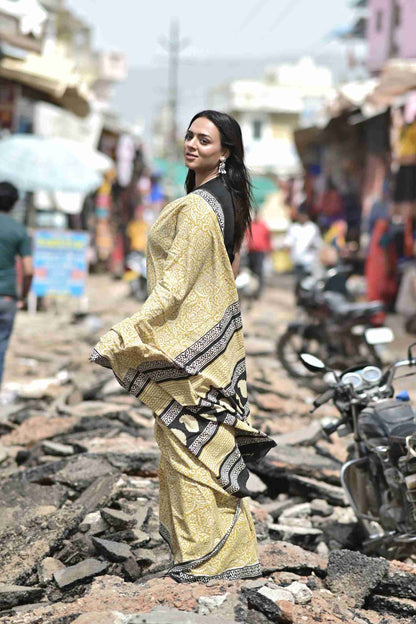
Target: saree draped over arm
{"points": [[183, 355]]}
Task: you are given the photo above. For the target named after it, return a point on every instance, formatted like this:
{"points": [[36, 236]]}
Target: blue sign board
{"points": [[60, 262]]}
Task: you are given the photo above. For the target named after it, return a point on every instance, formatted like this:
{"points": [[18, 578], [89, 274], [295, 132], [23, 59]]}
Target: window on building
{"points": [[379, 21], [397, 15], [257, 129]]}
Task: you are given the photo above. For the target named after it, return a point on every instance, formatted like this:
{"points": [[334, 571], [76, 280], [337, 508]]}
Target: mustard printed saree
{"points": [[183, 355]]}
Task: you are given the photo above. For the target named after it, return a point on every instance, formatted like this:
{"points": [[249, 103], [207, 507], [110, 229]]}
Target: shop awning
{"points": [[307, 141], [397, 77], [52, 79]]}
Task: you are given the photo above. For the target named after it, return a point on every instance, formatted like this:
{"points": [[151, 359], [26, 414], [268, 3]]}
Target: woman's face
{"points": [[203, 148]]}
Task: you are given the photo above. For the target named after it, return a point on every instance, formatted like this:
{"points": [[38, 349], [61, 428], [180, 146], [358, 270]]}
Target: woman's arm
{"points": [[236, 263]]}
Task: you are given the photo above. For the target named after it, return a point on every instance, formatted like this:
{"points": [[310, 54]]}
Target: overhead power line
{"points": [[254, 11], [287, 10]]}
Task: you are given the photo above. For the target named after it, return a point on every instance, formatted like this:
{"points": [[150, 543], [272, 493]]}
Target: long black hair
{"points": [[236, 178]]}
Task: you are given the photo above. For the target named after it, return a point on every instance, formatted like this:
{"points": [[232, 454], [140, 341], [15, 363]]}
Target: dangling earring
{"points": [[221, 166]]}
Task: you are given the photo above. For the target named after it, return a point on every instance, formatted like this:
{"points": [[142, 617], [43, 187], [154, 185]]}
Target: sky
{"points": [[223, 40], [213, 29]]}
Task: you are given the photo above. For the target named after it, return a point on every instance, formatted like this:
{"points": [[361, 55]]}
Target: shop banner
{"points": [[60, 263]]}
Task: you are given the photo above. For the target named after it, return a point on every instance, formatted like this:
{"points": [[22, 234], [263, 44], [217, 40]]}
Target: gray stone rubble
{"points": [[79, 536]]}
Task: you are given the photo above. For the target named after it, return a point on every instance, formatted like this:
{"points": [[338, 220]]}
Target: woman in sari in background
{"points": [[381, 262], [183, 355]]}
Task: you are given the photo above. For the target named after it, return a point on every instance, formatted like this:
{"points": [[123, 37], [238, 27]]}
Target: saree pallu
{"points": [[183, 355]]}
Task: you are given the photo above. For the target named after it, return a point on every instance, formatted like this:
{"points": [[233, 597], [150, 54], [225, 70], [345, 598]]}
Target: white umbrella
{"points": [[34, 163], [91, 157]]}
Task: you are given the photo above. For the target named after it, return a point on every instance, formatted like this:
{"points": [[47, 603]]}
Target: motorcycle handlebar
{"points": [[330, 429], [388, 376], [324, 398]]}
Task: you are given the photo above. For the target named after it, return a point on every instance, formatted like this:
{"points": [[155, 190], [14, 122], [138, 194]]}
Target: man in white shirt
{"points": [[304, 242]]}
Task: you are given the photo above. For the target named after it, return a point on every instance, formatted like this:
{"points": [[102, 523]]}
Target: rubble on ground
{"points": [[79, 510]]}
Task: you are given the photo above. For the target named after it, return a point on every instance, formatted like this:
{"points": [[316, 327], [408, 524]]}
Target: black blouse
{"points": [[217, 188]]}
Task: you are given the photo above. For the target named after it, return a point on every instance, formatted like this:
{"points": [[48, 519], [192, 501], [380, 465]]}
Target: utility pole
{"points": [[174, 46]]}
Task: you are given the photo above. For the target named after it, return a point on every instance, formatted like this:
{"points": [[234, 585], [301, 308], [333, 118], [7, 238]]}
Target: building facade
{"points": [[270, 110], [391, 26]]}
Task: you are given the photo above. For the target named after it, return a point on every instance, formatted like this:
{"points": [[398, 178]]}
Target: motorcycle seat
{"points": [[402, 430], [340, 307]]}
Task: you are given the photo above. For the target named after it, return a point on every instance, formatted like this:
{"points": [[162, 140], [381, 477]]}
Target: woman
{"points": [[183, 355], [381, 262]]}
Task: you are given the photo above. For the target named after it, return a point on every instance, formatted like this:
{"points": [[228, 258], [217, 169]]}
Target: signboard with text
{"points": [[60, 263]]}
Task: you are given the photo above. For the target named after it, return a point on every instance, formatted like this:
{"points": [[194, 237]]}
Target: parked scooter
{"points": [[331, 326], [379, 476], [136, 274]]}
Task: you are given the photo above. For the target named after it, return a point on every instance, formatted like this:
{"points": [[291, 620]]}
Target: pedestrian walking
{"points": [[258, 245], [14, 242], [182, 355], [304, 242]]}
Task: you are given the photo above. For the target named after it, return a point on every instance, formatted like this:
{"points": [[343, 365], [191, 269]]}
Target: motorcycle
{"points": [[136, 274], [379, 476], [331, 326]]}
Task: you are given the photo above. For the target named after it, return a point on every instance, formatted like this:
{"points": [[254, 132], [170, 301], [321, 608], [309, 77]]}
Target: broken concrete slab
{"points": [[354, 575], [47, 568], [255, 484], [304, 436], [259, 346], [305, 462], [23, 547], [81, 471], [279, 556], [100, 492], [113, 551], [301, 536], [58, 449], [102, 409], [37, 428], [4, 454], [398, 583], [301, 510], [168, 615], [80, 572], [312, 488], [301, 592], [132, 569], [320, 507], [276, 593], [145, 556], [265, 605], [12, 595], [93, 524], [118, 519], [101, 617], [20, 499], [402, 607], [134, 535], [269, 402]]}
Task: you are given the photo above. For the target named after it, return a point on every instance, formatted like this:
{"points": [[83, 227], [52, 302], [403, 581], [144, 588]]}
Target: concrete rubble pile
{"points": [[79, 536]]}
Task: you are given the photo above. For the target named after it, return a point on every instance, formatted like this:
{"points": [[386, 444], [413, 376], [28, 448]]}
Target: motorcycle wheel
{"points": [[365, 499], [289, 346], [381, 545]]}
